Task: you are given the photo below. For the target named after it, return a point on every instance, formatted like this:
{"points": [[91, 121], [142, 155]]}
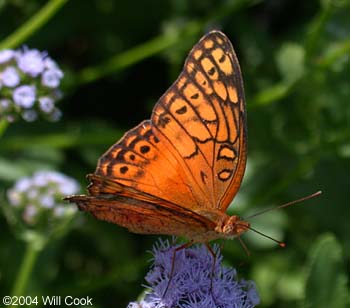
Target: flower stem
{"points": [[3, 125], [32, 25], [34, 246]]}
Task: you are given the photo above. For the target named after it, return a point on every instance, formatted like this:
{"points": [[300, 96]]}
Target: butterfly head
{"points": [[234, 227]]}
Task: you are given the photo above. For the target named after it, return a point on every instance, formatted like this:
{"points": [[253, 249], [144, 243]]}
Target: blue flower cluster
{"points": [[38, 198], [29, 85], [194, 283]]}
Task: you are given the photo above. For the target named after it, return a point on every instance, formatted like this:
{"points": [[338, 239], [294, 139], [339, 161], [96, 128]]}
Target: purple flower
{"points": [[10, 77], [31, 61], [24, 96], [194, 283], [6, 55], [51, 78]]}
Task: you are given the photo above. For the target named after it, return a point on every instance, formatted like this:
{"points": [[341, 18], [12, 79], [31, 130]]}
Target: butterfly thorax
{"points": [[227, 227]]}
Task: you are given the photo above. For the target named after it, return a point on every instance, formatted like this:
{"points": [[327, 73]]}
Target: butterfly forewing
{"points": [[202, 118]]}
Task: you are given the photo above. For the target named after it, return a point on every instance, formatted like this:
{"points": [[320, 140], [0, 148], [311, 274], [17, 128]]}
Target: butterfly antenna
{"points": [[286, 204], [280, 243]]}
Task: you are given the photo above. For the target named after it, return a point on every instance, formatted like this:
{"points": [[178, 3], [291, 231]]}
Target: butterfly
{"points": [[177, 173]]}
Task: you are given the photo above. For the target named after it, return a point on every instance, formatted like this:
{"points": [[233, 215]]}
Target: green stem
{"points": [[132, 56], [32, 25], [34, 246], [156, 45], [316, 28], [3, 125]]}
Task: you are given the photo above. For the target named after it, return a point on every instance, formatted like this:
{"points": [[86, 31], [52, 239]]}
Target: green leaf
{"points": [[3, 125], [10, 171], [326, 282], [291, 62]]}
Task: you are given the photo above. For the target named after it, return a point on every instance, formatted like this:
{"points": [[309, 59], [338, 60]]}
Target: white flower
{"points": [[6, 55], [29, 213], [32, 193], [68, 187], [24, 96], [39, 197], [61, 210], [31, 62], [14, 197], [23, 184], [10, 77], [50, 64], [47, 201], [24, 74], [4, 104], [46, 104], [40, 178], [29, 115], [51, 78]]}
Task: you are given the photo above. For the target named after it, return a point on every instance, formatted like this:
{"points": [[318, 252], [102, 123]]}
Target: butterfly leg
{"points": [[184, 246], [212, 252], [213, 268], [244, 246]]}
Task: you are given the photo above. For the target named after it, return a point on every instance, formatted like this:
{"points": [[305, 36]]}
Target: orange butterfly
{"points": [[178, 172]]}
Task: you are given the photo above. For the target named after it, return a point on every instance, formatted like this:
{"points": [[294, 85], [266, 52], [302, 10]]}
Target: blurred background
{"points": [[118, 58]]}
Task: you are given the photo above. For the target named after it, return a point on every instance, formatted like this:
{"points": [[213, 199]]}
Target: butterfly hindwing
{"points": [[145, 217], [143, 162]]}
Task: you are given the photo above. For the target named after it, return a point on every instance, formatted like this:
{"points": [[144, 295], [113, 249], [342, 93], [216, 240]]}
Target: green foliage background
{"points": [[119, 57]]}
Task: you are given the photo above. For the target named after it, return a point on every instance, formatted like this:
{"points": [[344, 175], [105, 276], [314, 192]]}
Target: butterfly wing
{"points": [[202, 119], [192, 152], [143, 214]]}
